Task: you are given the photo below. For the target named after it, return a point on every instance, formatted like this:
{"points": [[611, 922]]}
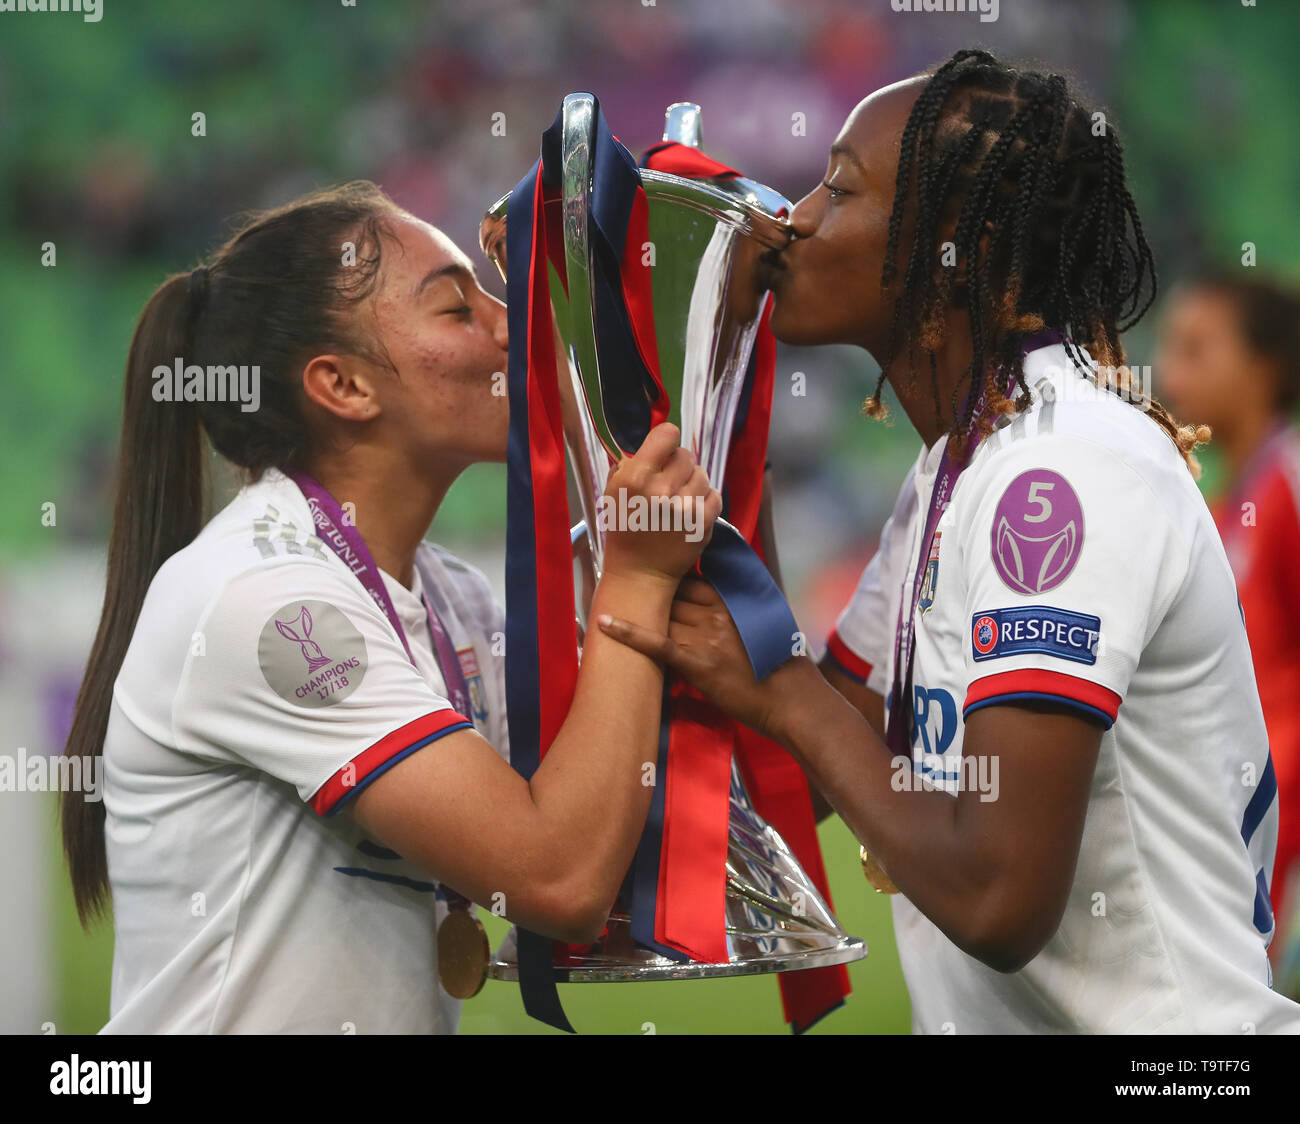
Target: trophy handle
{"points": [[578, 130], [584, 555], [683, 123]]}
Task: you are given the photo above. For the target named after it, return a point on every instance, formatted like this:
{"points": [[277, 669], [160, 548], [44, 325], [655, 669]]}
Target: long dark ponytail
{"points": [[273, 295]]}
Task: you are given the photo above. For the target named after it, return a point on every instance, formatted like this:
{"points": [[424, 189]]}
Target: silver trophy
{"points": [[708, 237]]}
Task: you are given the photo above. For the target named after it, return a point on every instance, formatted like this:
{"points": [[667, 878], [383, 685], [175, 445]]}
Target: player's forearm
{"points": [[593, 788], [933, 855], [864, 700]]}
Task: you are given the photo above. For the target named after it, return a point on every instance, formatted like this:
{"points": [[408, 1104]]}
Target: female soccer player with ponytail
{"points": [[306, 653], [1052, 742]]}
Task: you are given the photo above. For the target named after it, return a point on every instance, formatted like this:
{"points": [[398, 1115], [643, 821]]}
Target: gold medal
{"points": [[876, 873], [463, 953]]}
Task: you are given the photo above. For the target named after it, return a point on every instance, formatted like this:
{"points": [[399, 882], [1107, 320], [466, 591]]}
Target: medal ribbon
{"points": [[342, 537], [898, 732]]}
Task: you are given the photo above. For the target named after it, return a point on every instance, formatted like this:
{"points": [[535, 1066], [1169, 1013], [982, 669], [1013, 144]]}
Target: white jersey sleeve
{"points": [[296, 672], [861, 641], [1070, 562]]}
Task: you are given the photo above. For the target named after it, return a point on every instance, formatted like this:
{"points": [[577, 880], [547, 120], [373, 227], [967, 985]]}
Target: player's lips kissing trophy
{"points": [[635, 297]]}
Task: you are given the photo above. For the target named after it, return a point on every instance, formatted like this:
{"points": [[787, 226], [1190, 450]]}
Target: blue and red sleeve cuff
{"points": [[848, 661], [1035, 684], [382, 756]]}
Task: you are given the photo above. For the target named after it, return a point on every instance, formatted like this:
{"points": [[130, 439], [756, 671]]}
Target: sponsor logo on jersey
{"points": [[311, 655], [1037, 532], [1035, 628], [934, 718]]}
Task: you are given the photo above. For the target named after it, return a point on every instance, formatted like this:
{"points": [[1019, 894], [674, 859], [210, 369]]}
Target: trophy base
{"points": [[776, 921], [618, 960]]}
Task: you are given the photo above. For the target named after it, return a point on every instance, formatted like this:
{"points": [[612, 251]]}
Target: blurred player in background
{"points": [[307, 653], [1229, 356], [1038, 713]]}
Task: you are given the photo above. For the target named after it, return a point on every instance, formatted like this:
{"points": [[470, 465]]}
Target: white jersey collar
{"points": [[1051, 362]]}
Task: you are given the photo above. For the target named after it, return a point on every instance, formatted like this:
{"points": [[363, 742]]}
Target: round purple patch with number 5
{"points": [[1037, 531]]}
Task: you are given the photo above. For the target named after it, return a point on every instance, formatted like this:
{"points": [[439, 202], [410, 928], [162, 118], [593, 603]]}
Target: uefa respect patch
{"points": [[1035, 628]]}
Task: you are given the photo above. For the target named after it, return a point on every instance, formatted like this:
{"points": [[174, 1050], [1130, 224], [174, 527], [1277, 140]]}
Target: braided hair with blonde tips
{"points": [[1012, 156]]}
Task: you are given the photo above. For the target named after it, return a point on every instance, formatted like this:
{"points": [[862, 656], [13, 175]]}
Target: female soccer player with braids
{"points": [[1038, 713], [300, 705]]}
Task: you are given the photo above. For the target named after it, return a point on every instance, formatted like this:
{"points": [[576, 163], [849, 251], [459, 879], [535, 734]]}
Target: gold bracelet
{"points": [[876, 873]]}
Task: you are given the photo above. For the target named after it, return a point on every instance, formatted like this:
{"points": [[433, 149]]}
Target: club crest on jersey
{"points": [[930, 578], [1037, 532], [1035, 628], [474, 681], [311, 655]]}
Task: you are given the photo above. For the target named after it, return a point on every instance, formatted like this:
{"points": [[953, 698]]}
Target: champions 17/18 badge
{"points": [[311, 654], [931, 576]]}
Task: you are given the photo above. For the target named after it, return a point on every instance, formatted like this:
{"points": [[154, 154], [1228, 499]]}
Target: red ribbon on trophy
{"points": [[777, 784], [676, 891]]}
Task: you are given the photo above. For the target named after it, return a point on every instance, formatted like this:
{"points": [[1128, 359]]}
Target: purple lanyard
{"points": [[897, 730], [342, 537]]}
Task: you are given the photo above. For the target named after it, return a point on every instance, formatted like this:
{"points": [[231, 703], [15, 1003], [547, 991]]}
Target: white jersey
{"points": [[262, 690], [1077, 562]]}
